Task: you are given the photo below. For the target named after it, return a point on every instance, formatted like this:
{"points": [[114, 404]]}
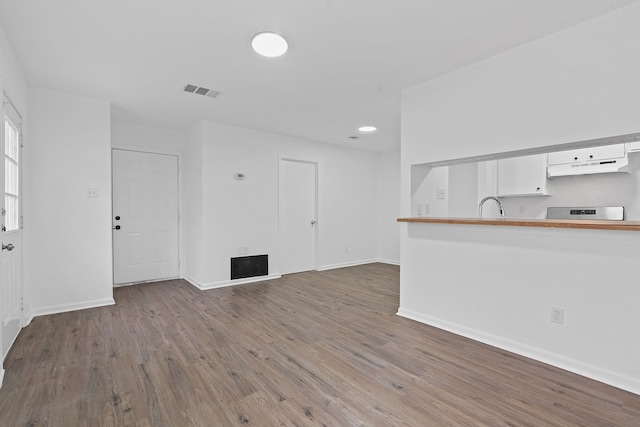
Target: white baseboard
{"points": [[346, 264], [225, 283], [388, 261], [63, 308], [1, 376], [120, 285], [586, 370]]}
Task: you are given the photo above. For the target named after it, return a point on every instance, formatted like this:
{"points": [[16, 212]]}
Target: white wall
{"points": [[463, 190], [388, 198], [68, 258], [497, 285], [245, 213], [13, 81], [193, 199], [575, 85], [425, 183], [144, 137]]}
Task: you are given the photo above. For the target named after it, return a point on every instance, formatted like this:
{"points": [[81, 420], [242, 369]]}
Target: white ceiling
{"points": [[347, 64]]}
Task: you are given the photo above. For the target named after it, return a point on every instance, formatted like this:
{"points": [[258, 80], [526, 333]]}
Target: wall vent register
{"points": [[249, 266]]}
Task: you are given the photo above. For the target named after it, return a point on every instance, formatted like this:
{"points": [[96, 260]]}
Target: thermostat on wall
{"points": [[239, 176]]}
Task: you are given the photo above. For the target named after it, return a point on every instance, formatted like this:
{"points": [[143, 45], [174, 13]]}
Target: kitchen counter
{"points": [[522, 222]]}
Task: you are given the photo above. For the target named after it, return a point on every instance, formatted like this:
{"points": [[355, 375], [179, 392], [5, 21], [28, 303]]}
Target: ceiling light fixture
{"points": [[367, 129], [269, 44]]}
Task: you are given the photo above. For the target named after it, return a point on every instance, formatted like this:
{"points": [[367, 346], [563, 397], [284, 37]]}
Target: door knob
{"points": [[8, 247], [117, 227], [313, 222]]}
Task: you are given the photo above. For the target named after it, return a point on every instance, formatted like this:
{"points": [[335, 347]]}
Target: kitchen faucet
{"points": [[502, 214]]}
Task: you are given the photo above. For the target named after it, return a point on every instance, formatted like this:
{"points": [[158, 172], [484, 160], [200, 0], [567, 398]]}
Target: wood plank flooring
{"points": [[310, 349]]}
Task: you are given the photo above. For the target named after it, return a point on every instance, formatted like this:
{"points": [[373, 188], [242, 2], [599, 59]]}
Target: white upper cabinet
{"points": [[586, 161], [583, 155], [633, 147], [563, 157], [523, 176]]}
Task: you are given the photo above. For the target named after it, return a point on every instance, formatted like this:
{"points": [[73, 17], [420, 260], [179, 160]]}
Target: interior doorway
{"points": [[145, 218], [297, 215]]}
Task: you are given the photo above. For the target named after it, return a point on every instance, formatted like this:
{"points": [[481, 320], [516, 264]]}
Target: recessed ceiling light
{"points": [[269, 44], [367, 129]]}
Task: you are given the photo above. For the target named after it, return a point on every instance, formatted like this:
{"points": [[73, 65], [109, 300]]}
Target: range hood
{"points": [[586, 168]]}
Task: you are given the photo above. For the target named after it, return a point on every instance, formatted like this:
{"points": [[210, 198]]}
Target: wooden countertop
{"points": [[522, 222]]}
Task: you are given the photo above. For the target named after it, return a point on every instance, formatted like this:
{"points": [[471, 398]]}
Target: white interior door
{"points": [[145, 216], [11, 313], [297, 216]]}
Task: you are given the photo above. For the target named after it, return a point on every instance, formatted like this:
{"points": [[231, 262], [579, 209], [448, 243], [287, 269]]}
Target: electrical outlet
{"points": [[557, 315], [440, 193], [426, 208], [419, 209]]}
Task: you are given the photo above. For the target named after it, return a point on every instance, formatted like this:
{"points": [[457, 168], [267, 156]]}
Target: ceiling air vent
{"points": [[199, 90], [354, 137]]}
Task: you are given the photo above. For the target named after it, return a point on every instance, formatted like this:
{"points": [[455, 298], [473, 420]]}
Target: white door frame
{"points": [[180, 198], [317, 224]]}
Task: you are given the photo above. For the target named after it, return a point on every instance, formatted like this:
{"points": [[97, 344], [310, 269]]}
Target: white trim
{"points": [[13, 341], [225, 283], [1, 376], [145, 150], [590, 371], [388, 261], [347, 264], [181, 226], [164, 279], [63, 308]]}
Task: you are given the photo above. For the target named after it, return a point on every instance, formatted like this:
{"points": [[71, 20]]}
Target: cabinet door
{"points": [[522, 176], [564, 157], [604, 152], [633, 147]]}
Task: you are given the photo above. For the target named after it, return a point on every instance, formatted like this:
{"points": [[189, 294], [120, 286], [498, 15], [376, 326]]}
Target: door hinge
{"points": [[4, 212]]}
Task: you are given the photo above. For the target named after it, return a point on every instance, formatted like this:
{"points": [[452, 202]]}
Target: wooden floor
{"points": [[317, 348]]}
